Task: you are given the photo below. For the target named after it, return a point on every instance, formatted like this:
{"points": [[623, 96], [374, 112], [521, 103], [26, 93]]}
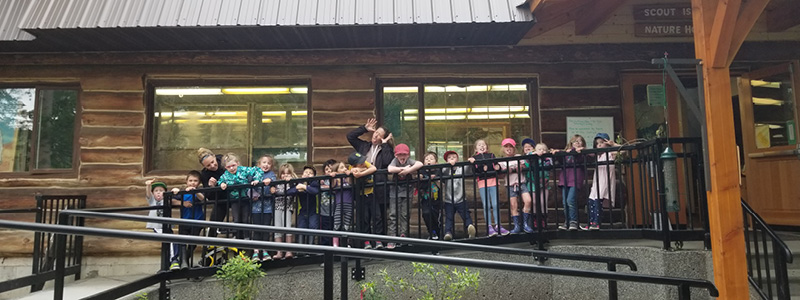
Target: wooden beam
{"points": [[722, 32], [535, 5], [595, 14], [751, 10], [783, 16], [555, 14], [724, 209]]}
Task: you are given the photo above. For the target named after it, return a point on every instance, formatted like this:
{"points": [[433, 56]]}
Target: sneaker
{"points": [[367, 245], [265, 256], [448, 236], [573, 227], [471, 231], [502, 231], [584, 228], [391, 246], [434, 235], [491, 232], [256, 256], [563, 227], [336, 242], [378, 245], [175, 266], [594, 227]]}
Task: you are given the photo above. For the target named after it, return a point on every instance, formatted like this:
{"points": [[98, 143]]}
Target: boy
{"points": [[429, 200], [307, 216], [326, 206], [403, 167], [191, 209], [454, 200], [154, 193], [362, 171]]}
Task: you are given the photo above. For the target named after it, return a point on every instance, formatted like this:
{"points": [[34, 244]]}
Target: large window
{"points": [[249, 121], [439, 118], [37, 129]]}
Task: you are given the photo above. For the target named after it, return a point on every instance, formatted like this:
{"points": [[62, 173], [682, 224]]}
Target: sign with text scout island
{"points": [[589, 127], [663, 20]]}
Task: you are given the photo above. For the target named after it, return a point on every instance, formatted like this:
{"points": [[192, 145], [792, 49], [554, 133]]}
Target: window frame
{"points": [[32, 152], [152, 84], [532, 83]]}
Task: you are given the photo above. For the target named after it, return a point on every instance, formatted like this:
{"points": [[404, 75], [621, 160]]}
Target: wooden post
{"points": [[715, 39]]}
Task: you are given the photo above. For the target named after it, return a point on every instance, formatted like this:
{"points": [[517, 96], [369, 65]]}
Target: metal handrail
{"points": [[345, 234], [786, 250], [683, 284], [782, 256]]}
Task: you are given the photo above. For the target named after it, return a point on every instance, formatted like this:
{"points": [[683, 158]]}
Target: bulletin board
{"points": [[588, 127]]}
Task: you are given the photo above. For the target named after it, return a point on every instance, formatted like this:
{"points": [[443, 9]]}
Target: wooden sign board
{"points": [[663, 12], [664, 29]]}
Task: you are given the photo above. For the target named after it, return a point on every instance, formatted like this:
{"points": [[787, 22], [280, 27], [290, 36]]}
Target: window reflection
{"points": [[773, 111]]}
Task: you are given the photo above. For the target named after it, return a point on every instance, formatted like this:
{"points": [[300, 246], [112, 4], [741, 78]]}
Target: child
{"points": [[343, 198], [570, 180], [603, 183], [326, 205], [362, 170], [487, 187], [403, 167], [532, 148], [308, 215], [428, 190], [516, 188], [191, 209], [454, 200], [284, 206], [237, 174], [262, 203], [154, 193]]}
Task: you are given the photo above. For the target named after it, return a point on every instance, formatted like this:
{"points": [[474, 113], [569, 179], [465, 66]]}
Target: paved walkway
{"points": [[87, 287]]}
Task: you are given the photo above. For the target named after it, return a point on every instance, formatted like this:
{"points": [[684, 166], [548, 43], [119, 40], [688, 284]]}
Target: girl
{"points": [[262, 203], [284, 206], [487, 187], [542, 179], [603, 183], [343, 199], [516, 188], [571, 179], [237, 174], [428, 190]]}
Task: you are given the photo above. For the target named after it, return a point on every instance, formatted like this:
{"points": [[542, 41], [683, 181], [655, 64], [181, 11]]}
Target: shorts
{"points": [[517, 190]]}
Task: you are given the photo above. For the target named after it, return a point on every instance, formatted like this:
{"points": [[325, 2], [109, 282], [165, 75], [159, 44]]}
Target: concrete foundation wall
{"points": [[307, 282]]}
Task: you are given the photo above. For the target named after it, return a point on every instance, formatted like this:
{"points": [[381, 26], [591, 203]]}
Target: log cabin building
{"points": [[98, 96]]}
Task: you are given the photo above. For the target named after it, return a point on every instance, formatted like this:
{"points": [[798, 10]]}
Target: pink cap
{"points": [[509, 141], [401, 149]]}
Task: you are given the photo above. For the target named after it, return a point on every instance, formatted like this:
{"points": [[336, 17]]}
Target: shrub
{"points": [[440, 283], [238, 276]]}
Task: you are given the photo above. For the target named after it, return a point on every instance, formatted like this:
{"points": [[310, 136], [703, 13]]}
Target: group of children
{"points": [[328, 203]]}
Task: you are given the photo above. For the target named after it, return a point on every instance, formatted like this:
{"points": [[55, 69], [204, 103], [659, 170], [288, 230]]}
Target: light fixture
{"points": [[299, 113], [188, 91], [256, 90], [766, 84], [274, 113], [766, 101], [399, 89], [209, 121], [300, 90]]}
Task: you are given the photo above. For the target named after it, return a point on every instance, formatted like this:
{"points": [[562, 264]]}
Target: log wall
{"points": [[573, 81]]}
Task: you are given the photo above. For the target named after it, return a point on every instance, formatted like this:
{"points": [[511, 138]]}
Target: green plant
{"points": [[142, 296], [441, 282], [238, 276]]}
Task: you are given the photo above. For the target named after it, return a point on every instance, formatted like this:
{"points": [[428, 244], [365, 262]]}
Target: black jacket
{"points": [[382, 161], [206, 175]]}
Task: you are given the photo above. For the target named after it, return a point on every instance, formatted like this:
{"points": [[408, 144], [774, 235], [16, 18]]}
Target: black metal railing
{"points": [[330, 253], [44, 252], [767, 257], [630, 205]]}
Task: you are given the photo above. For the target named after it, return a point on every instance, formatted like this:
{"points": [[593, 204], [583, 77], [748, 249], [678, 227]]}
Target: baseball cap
{"points": [[356, 158], [507, 141], [602, 136], [446, 154], [401, 149], [158, 184], [529, 141]]}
